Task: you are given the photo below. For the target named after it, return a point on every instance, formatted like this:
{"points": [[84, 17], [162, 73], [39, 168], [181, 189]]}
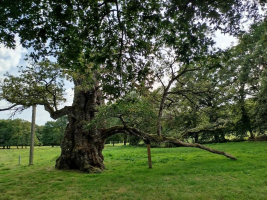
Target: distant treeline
{"points": [[17, 133]]}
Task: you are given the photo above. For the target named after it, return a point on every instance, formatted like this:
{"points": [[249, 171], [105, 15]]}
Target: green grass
{"points": [[178, 173]]}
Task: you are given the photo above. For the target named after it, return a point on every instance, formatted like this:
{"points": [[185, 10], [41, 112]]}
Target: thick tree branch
{"points": [[158, 139], [59, 113]]}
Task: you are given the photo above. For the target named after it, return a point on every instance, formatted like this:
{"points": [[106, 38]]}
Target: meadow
{"points": [[177, 173]]}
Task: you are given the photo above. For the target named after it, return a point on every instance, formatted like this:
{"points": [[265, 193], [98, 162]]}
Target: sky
{"points": [[10, 59]]}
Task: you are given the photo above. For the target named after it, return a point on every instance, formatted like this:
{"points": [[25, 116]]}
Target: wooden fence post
{"points": [[32, 134], [148, 154]]}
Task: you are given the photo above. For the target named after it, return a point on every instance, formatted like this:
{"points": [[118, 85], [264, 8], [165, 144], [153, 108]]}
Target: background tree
{"points": [[16, 133], [247, 64], [20, 133], [191, 91], [261, 109], [5, 134], [39, 131], [115, 139], [53, 132]]}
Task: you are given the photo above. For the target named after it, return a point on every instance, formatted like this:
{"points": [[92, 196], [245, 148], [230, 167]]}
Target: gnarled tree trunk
{"points": [[81, 148]]}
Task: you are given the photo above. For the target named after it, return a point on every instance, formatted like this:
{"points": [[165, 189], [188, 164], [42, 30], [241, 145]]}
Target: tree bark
{"points": [[125, 139], [81, 149]]}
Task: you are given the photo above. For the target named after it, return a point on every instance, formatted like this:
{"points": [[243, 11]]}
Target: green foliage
{"points": [[134, 141], [247, 66], [40, 83], [261, 109], [53, 131], [195, 95], [115, 139], [115, 38], [225, 94], [15, 133], [132, 110], [5, 134]]}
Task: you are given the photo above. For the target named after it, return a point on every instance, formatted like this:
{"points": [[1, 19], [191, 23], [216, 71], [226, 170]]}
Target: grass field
{"points": [[178, 173]]}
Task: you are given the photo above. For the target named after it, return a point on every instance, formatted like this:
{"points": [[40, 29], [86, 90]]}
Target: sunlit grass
{"points": [[178, 173]]}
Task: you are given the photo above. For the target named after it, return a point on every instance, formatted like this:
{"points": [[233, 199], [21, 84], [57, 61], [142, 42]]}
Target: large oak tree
{"points": [[104, 48]]}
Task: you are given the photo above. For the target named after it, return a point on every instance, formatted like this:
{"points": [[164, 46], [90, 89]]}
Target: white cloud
{"points": [[224, 41], [10, 57]]}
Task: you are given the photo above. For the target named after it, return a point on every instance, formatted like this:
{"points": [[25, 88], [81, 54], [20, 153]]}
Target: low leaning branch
{"points": [[158, 139]]}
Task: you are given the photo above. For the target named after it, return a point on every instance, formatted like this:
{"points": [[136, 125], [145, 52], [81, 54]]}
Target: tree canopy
{"points": [[116, 37]]}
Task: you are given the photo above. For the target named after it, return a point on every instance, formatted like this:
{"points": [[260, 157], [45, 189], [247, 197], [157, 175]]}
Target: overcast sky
{"points": [[10, 59]]}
